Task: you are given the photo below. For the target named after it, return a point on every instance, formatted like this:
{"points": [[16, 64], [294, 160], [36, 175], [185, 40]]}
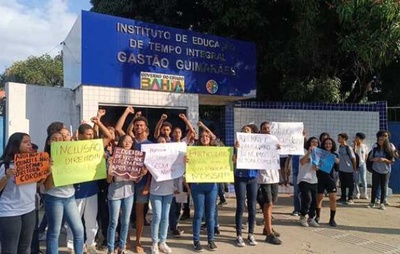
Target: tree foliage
{"points": [[43, 70], [307, 50]]}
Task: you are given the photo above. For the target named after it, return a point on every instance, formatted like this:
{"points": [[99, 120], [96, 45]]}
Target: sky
{"points": [[35, 27]]}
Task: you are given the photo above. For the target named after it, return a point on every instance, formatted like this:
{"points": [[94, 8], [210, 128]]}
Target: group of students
{"points": [[350, 168], [115, 202]]}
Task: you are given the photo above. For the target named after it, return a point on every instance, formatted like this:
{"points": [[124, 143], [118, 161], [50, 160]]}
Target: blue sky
{"points": [[35, 27]]}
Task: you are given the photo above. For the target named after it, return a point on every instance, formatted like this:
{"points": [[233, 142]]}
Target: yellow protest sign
{"points": [[209, 164], [78, 161]]}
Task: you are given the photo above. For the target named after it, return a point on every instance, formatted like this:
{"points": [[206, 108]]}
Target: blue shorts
{"points": [[139, 187]]}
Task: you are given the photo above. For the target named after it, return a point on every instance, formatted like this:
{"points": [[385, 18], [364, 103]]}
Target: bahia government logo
{"points": [[212, 86]]}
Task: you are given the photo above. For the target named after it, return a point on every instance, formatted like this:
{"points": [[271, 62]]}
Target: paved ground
{"points": [[360, 230]]}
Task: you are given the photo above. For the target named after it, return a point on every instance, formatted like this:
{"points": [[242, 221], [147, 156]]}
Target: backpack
{"points": [[6, 165], [369, 162], [358, 163]]}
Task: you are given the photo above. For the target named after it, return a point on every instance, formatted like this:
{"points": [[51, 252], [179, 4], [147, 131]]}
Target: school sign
{"points": [[103, 50]]}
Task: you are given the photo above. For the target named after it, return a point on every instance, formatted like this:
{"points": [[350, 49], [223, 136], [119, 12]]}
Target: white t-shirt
{"points": [[306, 173], [16, 200], [362, 152], [268, 176]]}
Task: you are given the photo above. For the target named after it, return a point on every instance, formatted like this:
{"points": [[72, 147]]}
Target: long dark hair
{"points": [[47, 145], [334, 147], [12, 146], [387, 149], [308, 143]]}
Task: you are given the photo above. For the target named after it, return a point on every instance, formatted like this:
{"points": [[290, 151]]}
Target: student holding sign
{"points": [[307, 182], [120, 200], [17, 202], [58, 204], [204, 198], [327, 182], [245, 190]]}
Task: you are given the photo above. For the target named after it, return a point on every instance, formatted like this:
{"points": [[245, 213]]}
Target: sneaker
{"points": [[272, 239], [122, 252], [332, 223], [154, 248], [316, 219], [386, 203], [222, 203], [276, 233], [197, 247], [217, 231], [177, 233], [239, 241], [211, 246], [350, 201], [252, 240], [295, 213], [303, 221], [382, 207], [371, 205], [364, 197], [164, 248], [357, 196], [91, 249], [312, 223], [42, 236]]}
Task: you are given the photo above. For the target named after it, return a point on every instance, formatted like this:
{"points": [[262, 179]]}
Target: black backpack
{"points": [[369, 163], [358, 164]]}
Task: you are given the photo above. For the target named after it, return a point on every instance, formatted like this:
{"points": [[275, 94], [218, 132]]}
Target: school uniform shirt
{"points": [[345, 161], [268, 176], [120, 188], [138, 146], [165, 188], [61, 192], [306, 172], [380, 167], [16, 200]]}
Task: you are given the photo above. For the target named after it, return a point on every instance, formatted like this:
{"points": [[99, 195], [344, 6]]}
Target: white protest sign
{"points": [[257, 151], [290, 135], [165, 161]]}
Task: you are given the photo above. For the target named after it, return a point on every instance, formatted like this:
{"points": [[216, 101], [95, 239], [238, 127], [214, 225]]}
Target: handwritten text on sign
{"points": [[78, 161], [165, 161], [323, 159], [31, 167], [209, 164], [290, 135], [127, 163], [257, 151]]}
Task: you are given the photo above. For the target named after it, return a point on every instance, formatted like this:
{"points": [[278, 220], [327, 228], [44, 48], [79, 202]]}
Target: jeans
{"points": [[35, 245], [16, 233], [87, 208], [204, 196], [174, 214], [221, 192], [378, 193], [346, 181], [159, 224], [296, 192], [245, 187], [378, 180], [361, 174], [56, 208], [308, 195], [114, 206]]}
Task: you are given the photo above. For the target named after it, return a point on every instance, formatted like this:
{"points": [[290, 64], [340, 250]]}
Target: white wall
{"points": [[31, 109], [315, 121]]}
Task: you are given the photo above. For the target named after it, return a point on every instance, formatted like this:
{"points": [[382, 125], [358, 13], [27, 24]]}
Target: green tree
{"points": [[307, 50], [43, 70]]}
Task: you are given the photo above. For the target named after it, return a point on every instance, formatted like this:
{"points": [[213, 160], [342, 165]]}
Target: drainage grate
{"points": [[347, 238]]}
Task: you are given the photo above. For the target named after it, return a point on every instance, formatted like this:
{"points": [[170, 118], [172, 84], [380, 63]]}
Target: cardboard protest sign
{"points": [[165, 161], [31, 167], [323, 159], [209, 164], [290, 135], [257, 151], [78, 161], [127, 163]]}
